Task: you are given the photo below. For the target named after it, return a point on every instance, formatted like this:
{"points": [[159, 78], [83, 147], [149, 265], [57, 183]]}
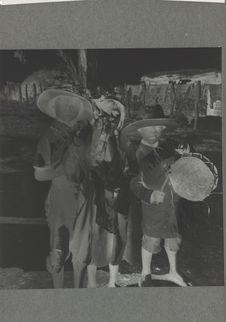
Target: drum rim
{"points": [[208, 164], [212, 167]]}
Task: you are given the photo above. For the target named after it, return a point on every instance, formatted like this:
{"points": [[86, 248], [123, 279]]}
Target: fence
{"points": [[190, 100], [20, 92], [175, 99], [22, 221]]}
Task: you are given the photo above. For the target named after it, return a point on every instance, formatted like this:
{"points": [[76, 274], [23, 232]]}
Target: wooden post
{"points": [[197, 101], [20, 93], [174, 99], [82, 67], [22, 221], [26, 93], [35, 93], [92, 71], [129, 101], [10, 92]]}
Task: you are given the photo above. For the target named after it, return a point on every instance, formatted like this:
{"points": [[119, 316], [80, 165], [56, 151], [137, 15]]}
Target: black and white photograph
{"points": [[111, 168]]}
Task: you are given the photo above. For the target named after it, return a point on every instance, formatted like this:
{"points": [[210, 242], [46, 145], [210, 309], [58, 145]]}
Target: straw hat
{"points": [[108, 105], [148, 130], [151, 134], [66, 107]]}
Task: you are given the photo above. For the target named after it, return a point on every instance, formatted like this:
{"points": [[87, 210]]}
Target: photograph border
{"points": [[115, 24]]}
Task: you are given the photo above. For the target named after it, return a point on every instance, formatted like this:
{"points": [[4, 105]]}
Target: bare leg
{"points": [[92, 270], [172, 257], [118, 249], [146, 264], [173, 275], [113, 270], [58, 279], [79, 274], [59, 238]]}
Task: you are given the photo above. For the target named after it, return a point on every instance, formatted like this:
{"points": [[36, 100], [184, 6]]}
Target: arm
{"points": [[42, 164], [145, 194], [139, 190], [45, 173], [122, 111]]}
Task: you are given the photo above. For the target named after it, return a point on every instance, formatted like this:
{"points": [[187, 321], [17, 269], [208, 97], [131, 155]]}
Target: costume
{"points": [[63, 157], [158, 220], [111, 211], [54, 151], [79, 217], [107, 236], [79, 207]]}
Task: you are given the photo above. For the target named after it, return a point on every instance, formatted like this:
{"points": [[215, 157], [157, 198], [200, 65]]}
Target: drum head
{"points": [[192, 179]]}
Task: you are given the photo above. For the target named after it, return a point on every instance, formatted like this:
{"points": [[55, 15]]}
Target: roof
{"points": [[180, 77]]}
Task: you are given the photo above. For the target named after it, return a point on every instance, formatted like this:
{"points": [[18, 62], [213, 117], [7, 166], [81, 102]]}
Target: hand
{"points": [[109, 198], [157, 197], [182, 149]]}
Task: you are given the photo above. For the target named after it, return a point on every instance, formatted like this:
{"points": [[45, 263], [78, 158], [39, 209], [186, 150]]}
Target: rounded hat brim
{"points": [[130, 132], [107, 104], [48, 96]]}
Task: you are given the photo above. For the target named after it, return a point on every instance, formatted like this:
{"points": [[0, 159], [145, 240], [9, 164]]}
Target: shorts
{"points": [[153, 244]]}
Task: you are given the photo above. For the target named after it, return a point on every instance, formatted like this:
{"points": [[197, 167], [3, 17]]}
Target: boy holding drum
{"points": [[159, 202]]}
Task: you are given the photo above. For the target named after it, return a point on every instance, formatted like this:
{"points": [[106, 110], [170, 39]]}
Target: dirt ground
{"points": [[15, 278]]}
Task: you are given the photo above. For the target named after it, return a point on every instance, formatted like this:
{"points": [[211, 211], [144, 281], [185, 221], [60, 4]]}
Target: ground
{"points": [[15, 278]]}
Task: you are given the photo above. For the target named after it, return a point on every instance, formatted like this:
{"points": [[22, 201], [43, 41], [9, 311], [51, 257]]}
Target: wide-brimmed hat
{"points": [[65, 106], [151, 133], [108, 104], [145, 129]]}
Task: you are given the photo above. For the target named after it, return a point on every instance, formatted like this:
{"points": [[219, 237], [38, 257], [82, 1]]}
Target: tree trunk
{"points": [[197, 101], [20, 93], [82, 67], [174, 99], [26, 93], [35, 92]]}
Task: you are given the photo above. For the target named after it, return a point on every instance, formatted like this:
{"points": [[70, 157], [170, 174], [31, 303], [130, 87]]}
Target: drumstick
{"points": [[164, 183]]}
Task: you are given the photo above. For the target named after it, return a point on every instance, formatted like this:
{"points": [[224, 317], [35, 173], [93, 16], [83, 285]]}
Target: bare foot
{"points": [[172, 277], [140, 281]]}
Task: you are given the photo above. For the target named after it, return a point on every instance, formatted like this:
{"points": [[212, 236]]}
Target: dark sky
{"points": [[115, 65]]}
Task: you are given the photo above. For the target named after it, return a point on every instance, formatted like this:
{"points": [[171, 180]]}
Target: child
{"points": [[110, 185], [159, 203]]}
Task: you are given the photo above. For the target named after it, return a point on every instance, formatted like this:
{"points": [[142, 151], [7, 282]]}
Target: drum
{"points": [[193, 177]]}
